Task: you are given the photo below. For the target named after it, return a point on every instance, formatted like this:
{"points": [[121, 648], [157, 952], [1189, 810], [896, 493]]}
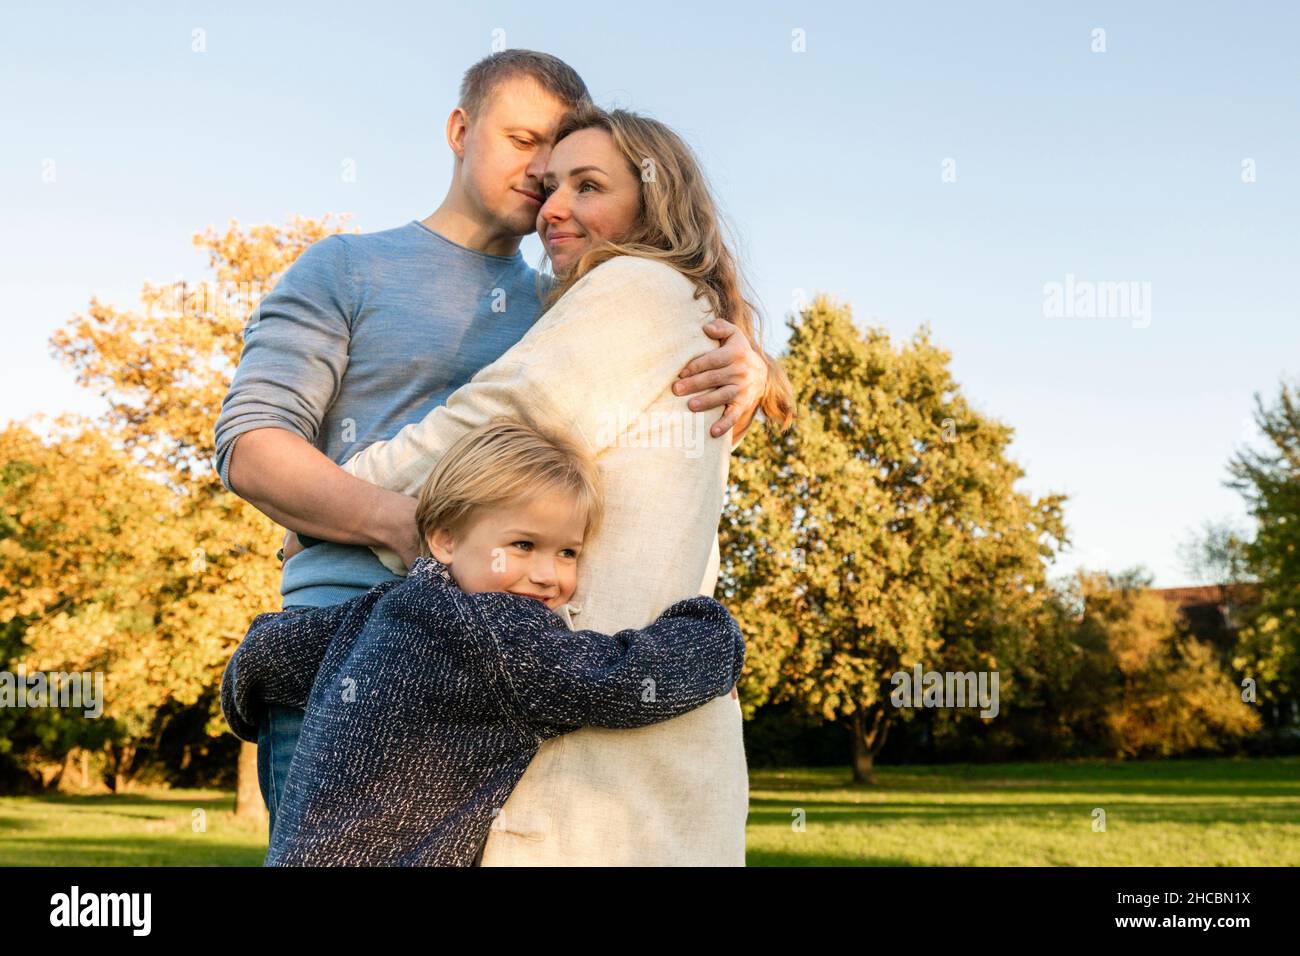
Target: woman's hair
{"points": [[678, 224], [505, 461]]}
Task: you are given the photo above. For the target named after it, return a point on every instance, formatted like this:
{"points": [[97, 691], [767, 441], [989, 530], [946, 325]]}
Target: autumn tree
{"points": [[121, 550], [883, 531], [87, 545], [1166, 692]]}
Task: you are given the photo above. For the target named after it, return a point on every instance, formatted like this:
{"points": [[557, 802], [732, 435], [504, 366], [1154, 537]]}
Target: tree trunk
{"points": [[75, 776], [868, 733], [248, 795], [124, 756], [65, 782]]}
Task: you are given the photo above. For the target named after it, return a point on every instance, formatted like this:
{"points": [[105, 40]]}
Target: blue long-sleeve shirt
{"points": [[364, 334], [424, 706]]}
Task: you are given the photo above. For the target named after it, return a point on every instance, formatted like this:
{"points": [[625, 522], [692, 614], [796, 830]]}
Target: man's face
{"points": [[529, 549], [506, 148]]}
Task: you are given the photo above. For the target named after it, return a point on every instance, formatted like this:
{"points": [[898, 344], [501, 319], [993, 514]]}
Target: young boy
{"points": [[427, 698]]}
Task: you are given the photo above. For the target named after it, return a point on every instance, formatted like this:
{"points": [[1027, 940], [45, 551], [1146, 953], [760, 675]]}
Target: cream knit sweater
{"points": [[601, 364]]}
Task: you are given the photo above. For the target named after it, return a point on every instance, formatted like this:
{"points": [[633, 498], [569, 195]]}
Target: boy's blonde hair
{"points": [[506, 460]]}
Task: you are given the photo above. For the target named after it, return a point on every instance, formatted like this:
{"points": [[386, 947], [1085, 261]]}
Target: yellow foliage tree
{"points": [[1170, 695], [123, 552]]}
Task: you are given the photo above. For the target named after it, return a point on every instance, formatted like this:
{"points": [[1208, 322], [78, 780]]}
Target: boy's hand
{"points": [[733, 375]]}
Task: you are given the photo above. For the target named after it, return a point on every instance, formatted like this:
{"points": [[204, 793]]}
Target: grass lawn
{"points": [[1175, 812], [1157, 813], [148, 828]]}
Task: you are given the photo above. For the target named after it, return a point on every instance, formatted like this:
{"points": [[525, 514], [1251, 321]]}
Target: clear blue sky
{"points": [[1115, 166]]}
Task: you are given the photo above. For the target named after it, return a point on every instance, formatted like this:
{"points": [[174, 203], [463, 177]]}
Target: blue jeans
{"points": [[277, 736]]}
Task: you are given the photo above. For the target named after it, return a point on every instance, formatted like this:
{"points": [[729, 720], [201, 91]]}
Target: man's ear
{"points": [[457, 130], [441, 544]]}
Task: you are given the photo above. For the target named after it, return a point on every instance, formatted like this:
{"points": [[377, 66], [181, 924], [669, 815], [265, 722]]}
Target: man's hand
{"points": [[291, 544], [399, 520], [733, 375]]}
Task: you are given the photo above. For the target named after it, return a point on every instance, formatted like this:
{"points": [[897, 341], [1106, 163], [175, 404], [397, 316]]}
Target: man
{"points": [[365, 334]]}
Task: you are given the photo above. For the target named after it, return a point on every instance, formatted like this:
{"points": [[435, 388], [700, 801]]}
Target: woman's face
{"points": [[591, 196]]}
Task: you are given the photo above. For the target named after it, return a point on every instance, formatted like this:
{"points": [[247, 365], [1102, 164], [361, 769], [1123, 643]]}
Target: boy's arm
{"points": [[691, 654], [278, 660]]}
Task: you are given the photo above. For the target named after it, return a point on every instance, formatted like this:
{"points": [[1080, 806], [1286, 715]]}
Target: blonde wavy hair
{"points": [[678, 224], [505, 461]]}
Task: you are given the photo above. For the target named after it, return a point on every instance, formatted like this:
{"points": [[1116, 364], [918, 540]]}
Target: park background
{"points": [[1101, 510]]}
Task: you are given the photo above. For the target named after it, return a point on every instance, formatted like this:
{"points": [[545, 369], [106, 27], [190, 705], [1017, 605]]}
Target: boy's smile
{"points": [[530, 549]]}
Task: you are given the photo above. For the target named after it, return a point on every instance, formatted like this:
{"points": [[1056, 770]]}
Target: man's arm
{"points": [[691, 654], [601, 355], [294, 357], [733, 374], [293, 484]]}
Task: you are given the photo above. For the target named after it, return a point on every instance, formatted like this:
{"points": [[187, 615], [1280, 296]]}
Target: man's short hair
{"points": [[551, 73]]}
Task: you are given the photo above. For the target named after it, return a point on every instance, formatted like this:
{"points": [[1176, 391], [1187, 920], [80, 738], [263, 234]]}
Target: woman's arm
{"points": [[605, 352]]}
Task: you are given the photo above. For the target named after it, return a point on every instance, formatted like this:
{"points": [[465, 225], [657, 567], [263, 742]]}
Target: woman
{"points": [[633, 238]]}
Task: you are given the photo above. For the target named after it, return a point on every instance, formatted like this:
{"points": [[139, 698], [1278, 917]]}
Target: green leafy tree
{"points": [[882, 531], [1269, 479]]}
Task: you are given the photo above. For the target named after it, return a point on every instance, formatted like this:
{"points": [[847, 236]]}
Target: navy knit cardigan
{"points": [[425, 704]]}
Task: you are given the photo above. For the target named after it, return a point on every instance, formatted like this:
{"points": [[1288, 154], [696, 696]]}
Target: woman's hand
{"points": [[733, 375]]}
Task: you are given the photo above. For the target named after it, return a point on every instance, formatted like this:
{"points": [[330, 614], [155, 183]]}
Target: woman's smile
{"points": [[590, 186]]}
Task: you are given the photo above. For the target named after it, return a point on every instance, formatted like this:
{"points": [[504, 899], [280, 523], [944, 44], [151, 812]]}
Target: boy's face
{"points": [[505, 151], [529, 549]]}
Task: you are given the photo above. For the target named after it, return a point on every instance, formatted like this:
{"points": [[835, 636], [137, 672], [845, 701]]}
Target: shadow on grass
{"points": [[776, 858], [834, 813], [163, 799], [128, 850], [1190, 778]]}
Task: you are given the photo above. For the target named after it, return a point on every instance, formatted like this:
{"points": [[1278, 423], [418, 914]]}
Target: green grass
{"points": [[1157, 813], [149, 828], [1175, 812]]}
